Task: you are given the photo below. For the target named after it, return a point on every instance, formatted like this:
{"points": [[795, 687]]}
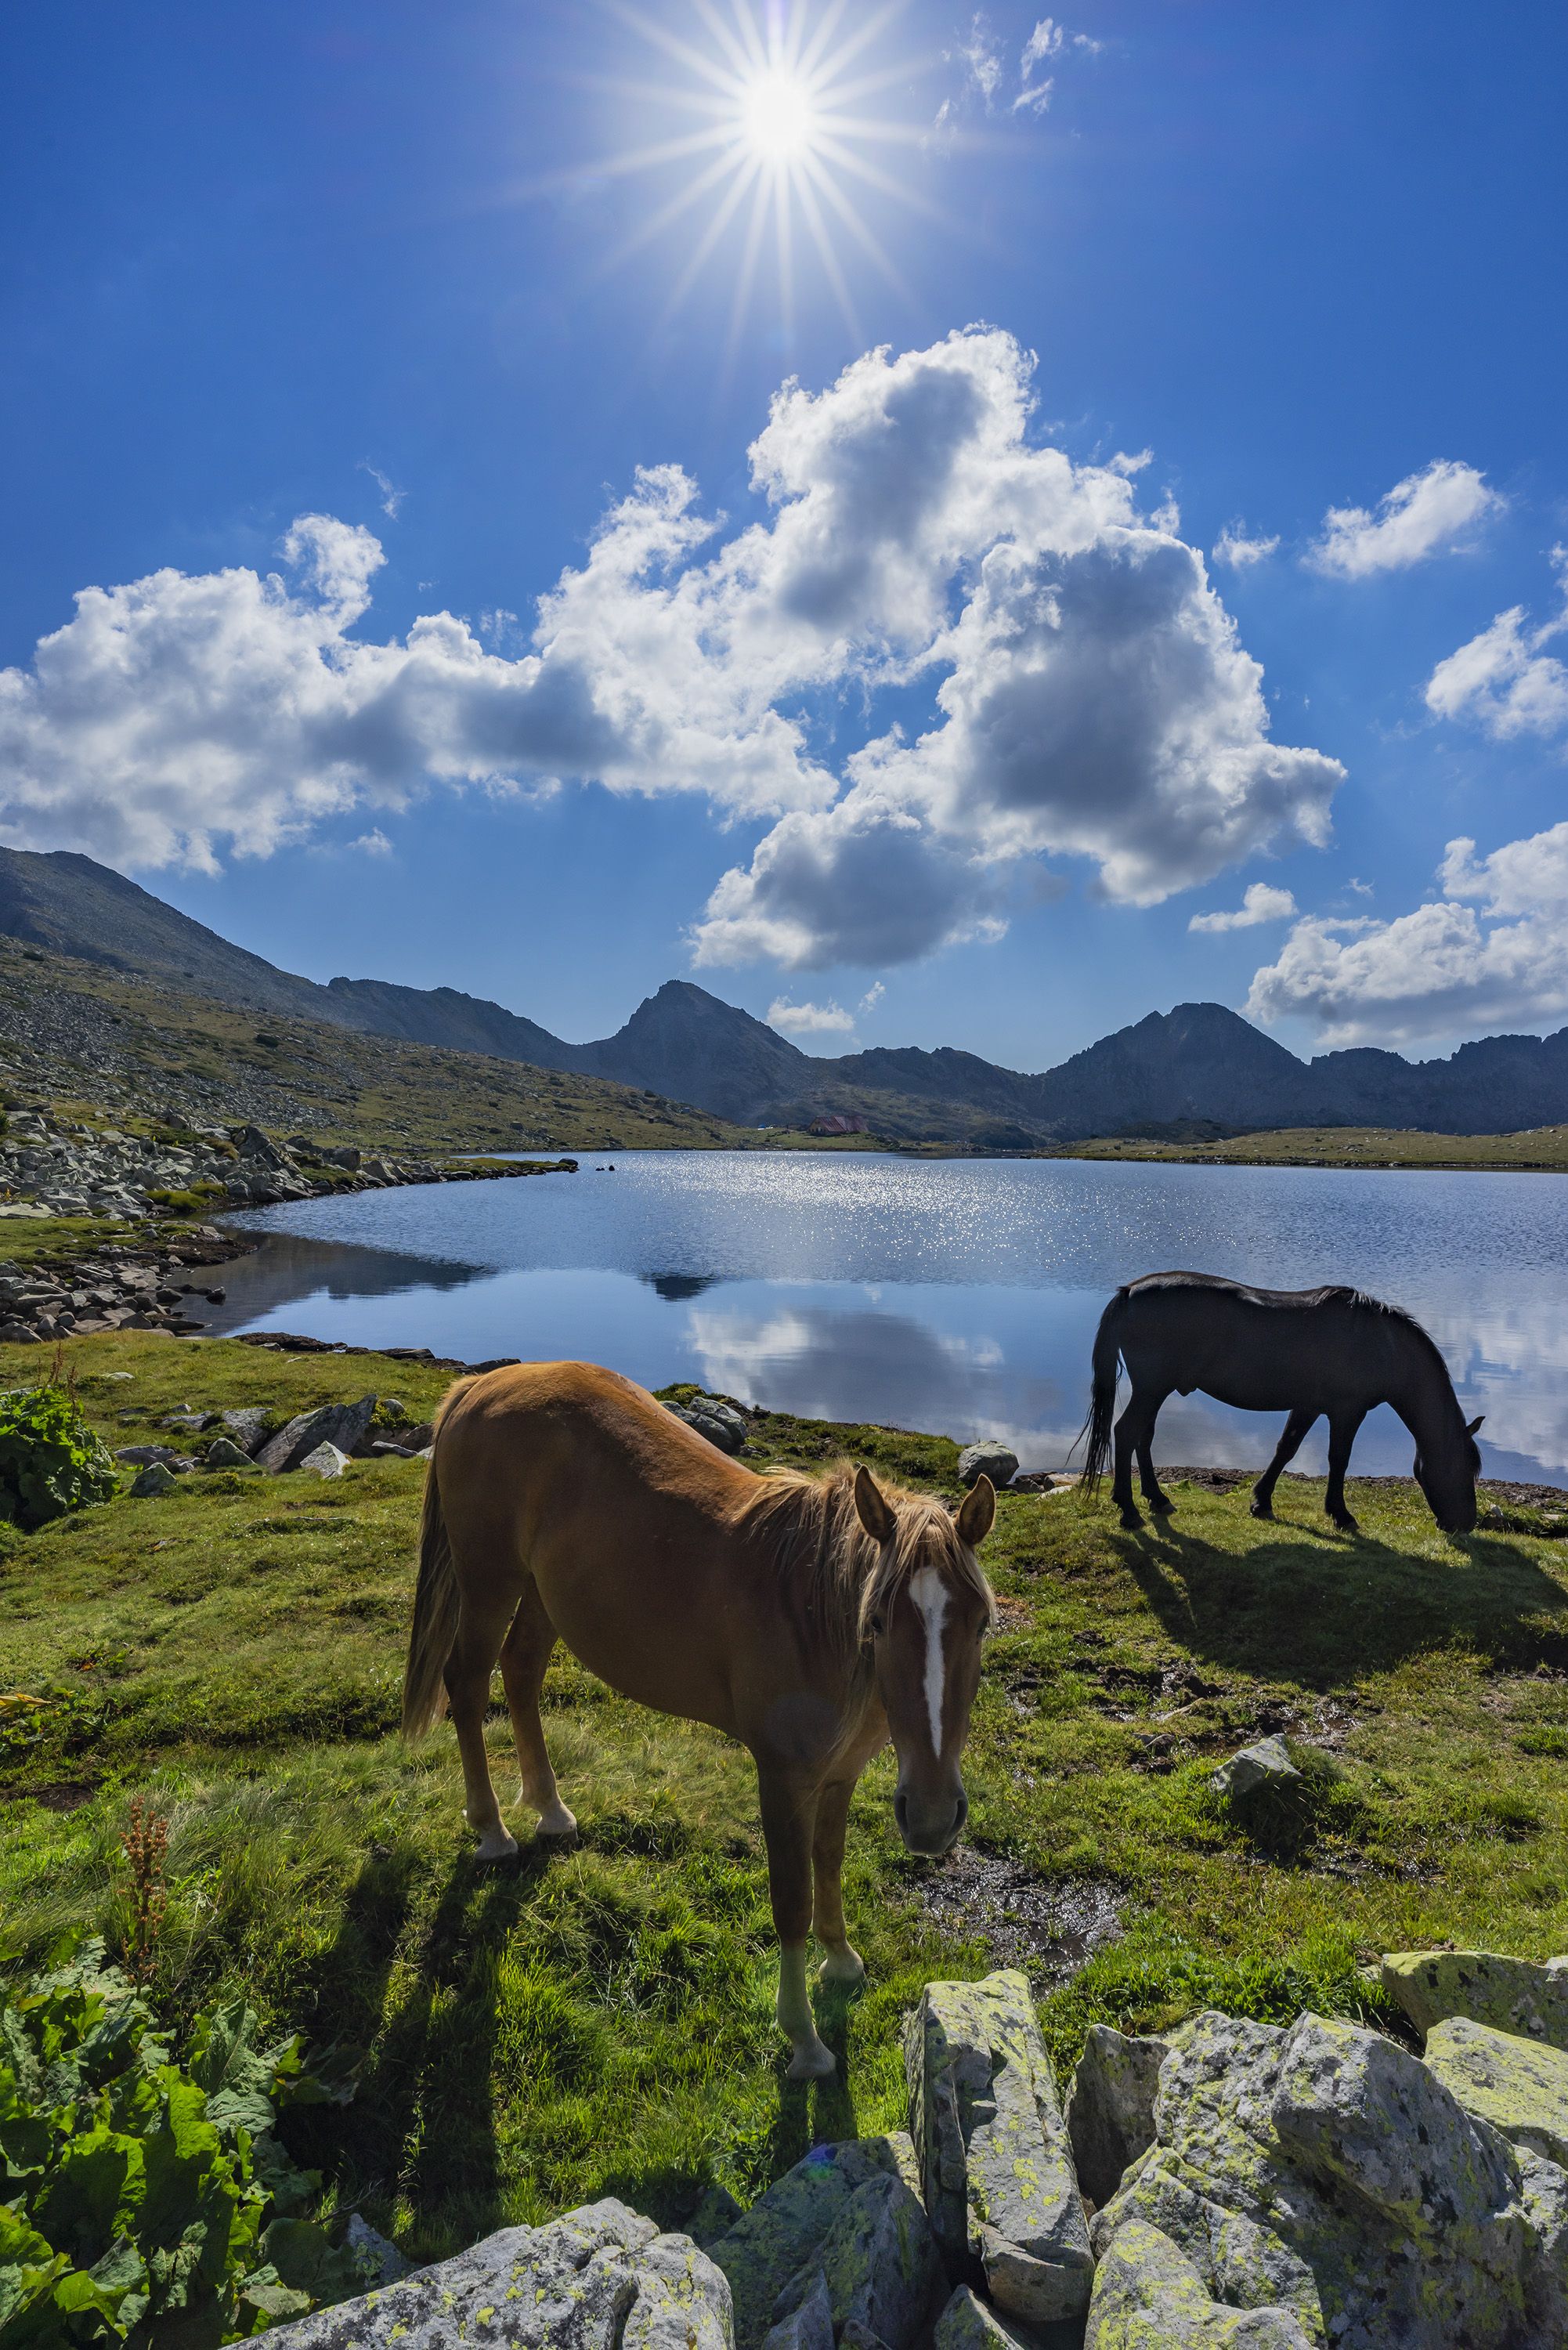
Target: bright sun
{"points": [[777, 115]]}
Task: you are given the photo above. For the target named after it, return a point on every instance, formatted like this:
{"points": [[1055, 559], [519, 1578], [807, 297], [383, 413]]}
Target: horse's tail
{"points": [[1103, 1393], [434, 1626]]}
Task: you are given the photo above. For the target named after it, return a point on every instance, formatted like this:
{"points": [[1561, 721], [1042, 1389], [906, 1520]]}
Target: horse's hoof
{"points": [[557, 1825], [1348, 1524], [495, 1843], [1164, 1507], [1131, 1522], [813, 2060], [846, 1966], [1262, 1509]]}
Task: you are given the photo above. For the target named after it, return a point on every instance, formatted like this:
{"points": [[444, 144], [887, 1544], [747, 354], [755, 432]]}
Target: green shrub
{"points": [[146, 2201], [195, 1201], [50, 1460]]}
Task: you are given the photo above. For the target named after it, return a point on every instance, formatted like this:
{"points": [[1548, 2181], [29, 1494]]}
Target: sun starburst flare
{"points": [[783, 147]]}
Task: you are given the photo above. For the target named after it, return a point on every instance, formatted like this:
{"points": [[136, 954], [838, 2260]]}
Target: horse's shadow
{"points": [[1320, 1607]]}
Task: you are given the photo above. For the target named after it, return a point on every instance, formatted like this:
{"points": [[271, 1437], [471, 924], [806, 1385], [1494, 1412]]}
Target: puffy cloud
{"points": [[1260, 903], [1503, 678], [1087, 695], [374, 843], [1426, 514], [1492, 951], [809, 1019], [1233, 546]]}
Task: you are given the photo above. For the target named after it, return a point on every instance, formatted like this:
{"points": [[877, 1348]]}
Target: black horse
{"points": [[1305, 1351]]}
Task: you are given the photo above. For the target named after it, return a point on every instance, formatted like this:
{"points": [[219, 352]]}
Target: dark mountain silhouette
{"points": [[1197, 1066]]}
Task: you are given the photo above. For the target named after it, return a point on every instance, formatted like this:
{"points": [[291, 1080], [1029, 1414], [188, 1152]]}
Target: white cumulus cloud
{"points": [[1260, 903], [1491, 951], [1430, 513], [809, 1019], [1504, 679], [1233, 546], [1085, 692]]}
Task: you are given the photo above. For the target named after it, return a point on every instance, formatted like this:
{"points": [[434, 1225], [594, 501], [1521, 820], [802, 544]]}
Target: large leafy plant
{"points": [[144, 2200], [50, 1460]]}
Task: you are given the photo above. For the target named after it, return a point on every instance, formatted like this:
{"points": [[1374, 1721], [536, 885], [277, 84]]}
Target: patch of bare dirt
{"points": [[1047, 1926]]}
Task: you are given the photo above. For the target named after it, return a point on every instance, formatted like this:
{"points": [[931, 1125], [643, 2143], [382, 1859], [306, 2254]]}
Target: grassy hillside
{"points": [[599, 2021], [1543, 1148], [87, 1039]]}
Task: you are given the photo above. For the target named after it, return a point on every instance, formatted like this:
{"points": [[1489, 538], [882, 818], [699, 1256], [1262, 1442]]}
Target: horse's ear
{"points": [[872, 1507], [976, 1511], [1471, 1425]]}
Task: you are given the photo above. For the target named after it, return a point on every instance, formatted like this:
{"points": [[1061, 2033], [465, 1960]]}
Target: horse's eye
{"points": [[879, 1624]]}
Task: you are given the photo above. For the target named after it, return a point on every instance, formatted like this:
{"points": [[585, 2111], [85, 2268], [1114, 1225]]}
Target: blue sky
{"points": [[950, 727]]}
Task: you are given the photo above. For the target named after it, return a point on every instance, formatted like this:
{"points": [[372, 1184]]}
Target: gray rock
{"points": [[1326, 2172], [326, 1461], [376, 2260], [253, 1144], [247, 1426], [1254, 1769], [775, 2240], [995, 2163], [1544, 2193], [1149, 2296], [809, 2325], [719, 1422], [1519, 2087], [1511, 1995], [154, 1479], [599, 2278], [225, 1453], [716, 2213], [879, 2264], [339, 1424], [142, 1456], [967, 2322], [1110, 2107], [992, 1460]]}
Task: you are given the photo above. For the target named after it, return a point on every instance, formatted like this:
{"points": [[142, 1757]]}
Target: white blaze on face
{"points": [[932, 1597]]}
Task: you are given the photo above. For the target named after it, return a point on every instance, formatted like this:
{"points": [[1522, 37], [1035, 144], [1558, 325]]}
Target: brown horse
{"points": [[811, 1619]]}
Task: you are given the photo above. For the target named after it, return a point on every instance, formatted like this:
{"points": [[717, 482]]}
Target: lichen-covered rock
{"points": [[341, 1424], [1544, 2193], [324, 1460], [595, 2279], [376, 2261], [1325, 2171], [773, 2240], [809, 2325], [995, 2164], [1110, 2107], [1264, 1767], [155, 1479], [1149, 2296], [967, 2322], [878, 2262], [1511, 1995], [1519, 2087]]}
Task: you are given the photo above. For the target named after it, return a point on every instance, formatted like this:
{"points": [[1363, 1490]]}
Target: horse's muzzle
{"points": [[929, 1829]]}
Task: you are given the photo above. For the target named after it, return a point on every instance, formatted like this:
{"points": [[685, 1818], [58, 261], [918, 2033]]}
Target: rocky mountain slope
{"points": [[1196, 1065]]}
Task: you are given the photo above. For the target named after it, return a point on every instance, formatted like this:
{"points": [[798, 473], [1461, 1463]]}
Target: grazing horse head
{"points": [[924, 1610], [1448, 1478]]}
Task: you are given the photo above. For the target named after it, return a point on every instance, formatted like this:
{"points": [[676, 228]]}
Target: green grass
{"points": [[1543, 1148], [599, 2021]]}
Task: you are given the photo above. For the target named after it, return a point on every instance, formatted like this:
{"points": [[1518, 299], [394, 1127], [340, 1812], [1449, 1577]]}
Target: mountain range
{"points": [[1197, 1068]]}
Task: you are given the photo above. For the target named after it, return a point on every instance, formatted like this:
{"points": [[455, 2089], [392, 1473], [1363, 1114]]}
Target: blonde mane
{"points": [[841, 1580]]}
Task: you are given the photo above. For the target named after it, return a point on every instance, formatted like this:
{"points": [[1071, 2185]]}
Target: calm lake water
{"points": [[953, 1294]]}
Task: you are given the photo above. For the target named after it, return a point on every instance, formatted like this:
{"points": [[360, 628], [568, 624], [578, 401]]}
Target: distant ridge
{"points": [[1198, 1064]]}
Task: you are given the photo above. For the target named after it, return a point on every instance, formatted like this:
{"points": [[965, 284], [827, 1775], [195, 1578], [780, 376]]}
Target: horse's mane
{"points": [[836, 1578]]}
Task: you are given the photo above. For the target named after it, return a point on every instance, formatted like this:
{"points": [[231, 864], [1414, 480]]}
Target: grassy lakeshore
{"points": [[1541, 1149], [599, 2021]]}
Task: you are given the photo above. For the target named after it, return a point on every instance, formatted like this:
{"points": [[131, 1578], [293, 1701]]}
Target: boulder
{"points": [[769, 2246], [253, 1144], [596, 2279], [720, 1423], [1544, 2193], [1519, 2087], [246, 1427], [1110, 2107], [153, 1480], [225, 1453], [339, 1424], [143, 1456], [1511, 1995], [1326, 2172], [967, 2322], [1149, 2296], [809, 2325], [992, 1460], [1262, 1768], [995, 2163], [878, 2264], [326, 1461], [376, 2261]]}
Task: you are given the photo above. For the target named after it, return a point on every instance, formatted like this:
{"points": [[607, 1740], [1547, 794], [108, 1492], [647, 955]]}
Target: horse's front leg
{"points": [[789, 1819], [1342, 1433], [1289, 1445], [843, 1964]]}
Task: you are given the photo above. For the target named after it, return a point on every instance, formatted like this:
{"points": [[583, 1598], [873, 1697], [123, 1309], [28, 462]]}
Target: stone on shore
{"points": [[879, 2264], [772, 2242], [339, 1424], [1511, 1995], [596, 2279], [992, 1460], [1149, 2296], [1110, 2107], [1519, 2087], [995, 2163]]}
